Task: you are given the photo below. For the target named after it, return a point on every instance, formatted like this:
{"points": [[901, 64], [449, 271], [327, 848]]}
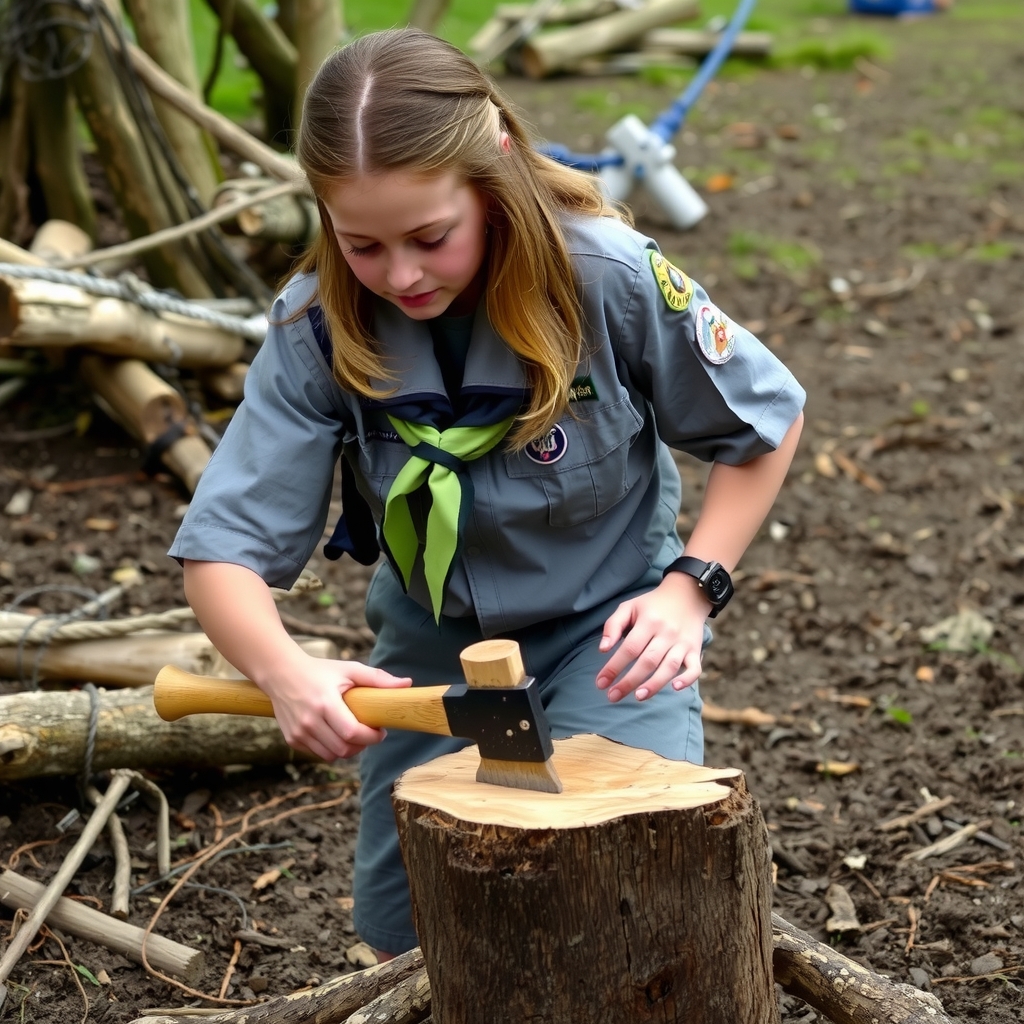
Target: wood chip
{"points": [[924, 811], [844, 913]]}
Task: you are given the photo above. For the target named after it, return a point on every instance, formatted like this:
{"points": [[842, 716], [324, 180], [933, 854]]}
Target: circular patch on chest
{"points": [[548, 449]]}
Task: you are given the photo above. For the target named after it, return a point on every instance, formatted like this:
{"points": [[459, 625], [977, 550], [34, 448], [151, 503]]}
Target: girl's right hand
{"points": [[308, 704]]}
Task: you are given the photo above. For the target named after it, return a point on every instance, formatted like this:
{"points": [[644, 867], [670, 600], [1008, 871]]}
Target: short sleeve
{"points": [[717, 392], [263, 500]]}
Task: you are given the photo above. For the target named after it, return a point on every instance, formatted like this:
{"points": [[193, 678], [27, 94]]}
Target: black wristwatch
{"points": [[711, 578]]}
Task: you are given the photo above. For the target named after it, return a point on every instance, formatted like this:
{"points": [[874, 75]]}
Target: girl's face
{"points": [[416, 241]]}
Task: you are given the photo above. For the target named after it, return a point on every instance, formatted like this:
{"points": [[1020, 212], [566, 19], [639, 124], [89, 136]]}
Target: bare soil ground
{"points": [[903, 510]]}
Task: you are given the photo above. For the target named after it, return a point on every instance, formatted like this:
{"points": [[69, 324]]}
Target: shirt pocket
{"points": [[582, 466], [380, 460]]}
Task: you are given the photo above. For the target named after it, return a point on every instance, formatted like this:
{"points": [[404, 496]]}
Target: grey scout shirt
{"points": [[559, 528]]}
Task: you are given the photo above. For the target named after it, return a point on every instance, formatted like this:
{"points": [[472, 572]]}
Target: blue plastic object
{"points": [[667, 123], [893, 8]]}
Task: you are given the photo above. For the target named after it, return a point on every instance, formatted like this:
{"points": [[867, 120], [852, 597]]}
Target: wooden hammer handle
{"points": [[177, 693]]}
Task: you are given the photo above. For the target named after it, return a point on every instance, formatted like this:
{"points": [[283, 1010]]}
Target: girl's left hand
{"points": [[664, 633]]}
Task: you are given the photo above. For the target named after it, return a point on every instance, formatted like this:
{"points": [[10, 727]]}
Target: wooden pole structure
{"points": [[149, 409], [60, 240], [642, 892], [57, 155], [425, 14], [270, 53], [126, 162], [318, 30], [40, 314], [14, 147], [549, 52], [164, 31]]}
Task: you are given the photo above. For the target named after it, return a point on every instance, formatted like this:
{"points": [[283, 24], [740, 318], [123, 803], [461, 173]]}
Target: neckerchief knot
{"points": [[438, 459]]}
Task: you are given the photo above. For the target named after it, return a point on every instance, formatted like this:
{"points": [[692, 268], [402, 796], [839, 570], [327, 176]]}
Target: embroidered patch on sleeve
{"points": [[716, 334], [675, 286], [582, 390]]}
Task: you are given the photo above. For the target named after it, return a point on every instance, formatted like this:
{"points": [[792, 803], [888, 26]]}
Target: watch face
{"points": [[718, 586]]}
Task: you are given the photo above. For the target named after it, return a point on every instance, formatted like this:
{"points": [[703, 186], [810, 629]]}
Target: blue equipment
{"points": [[638, 153]]}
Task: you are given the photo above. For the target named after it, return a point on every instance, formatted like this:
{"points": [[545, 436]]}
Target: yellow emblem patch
{"points": [[675, 286]]}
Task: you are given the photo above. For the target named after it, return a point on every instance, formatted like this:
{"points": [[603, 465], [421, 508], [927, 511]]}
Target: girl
{"points": [[503, 365]]}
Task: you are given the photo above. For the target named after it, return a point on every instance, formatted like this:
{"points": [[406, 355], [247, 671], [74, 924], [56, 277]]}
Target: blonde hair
{"points": [[403, 99]]}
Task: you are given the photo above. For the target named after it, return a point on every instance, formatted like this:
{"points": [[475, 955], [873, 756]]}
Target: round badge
{"points": [[676, 288], [548, 449], [716, 334]]}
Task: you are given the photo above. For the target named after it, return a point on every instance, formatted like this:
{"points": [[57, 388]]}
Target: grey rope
{"points": [[90, 736], [253, 328]]}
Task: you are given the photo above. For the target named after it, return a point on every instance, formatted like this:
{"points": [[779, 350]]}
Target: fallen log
{"points": [[333, 1002], [41, 314], [131, 660], [840, 988], [697, 43], [46, 733], [292, 219], [619, 895], [150, 410], [549, 52], [60, 239], [173, 958]]}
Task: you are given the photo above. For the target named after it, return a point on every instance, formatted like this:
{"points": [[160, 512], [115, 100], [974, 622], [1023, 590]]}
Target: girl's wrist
{"points": [[686, 588]]}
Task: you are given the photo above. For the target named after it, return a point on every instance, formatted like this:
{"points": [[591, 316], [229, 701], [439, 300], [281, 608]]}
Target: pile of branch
{"points": [[600, 37], [165, 154], [398, 992]]}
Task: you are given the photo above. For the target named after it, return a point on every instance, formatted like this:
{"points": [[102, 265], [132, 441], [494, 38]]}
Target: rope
{"points": [[90, 736], [67, 630], [125, 288]]}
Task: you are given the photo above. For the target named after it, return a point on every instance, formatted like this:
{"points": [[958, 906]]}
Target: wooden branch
{"points": [[407, 1003], [14, 157], [317, 31], [40, 314], [163, 29], [60, 240], [291, 218], [58, 155], [72, 862], [11, 253], [335, 1000], [425, 14], [126, 161], [178, 231], [147, 407], [173, 958], [122, 858], [551, 51], [227, 383], [270, 53], [44, 733], [840, 988], [224, 130], [133, 660]]}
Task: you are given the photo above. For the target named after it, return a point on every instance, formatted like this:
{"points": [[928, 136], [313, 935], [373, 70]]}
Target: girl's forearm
{"points": [[237, 612], [736, 501]]}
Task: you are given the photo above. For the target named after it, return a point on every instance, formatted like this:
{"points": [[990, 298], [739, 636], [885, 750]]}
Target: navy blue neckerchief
{"points": [[356, 532]]}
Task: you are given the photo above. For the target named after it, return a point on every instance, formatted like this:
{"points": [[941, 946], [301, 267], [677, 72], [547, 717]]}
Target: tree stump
{"points": [[642, 892]]}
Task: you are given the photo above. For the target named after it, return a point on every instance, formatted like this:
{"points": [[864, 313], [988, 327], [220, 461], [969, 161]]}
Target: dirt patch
{"points": [[875, 239]]}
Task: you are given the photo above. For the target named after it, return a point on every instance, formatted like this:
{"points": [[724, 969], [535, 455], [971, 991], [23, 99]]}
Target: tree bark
{"points": [[425, 14], [76, 919], [551, 51], [840, 988], [45, 733], [126, 162], [163, 29], [640, 893]]}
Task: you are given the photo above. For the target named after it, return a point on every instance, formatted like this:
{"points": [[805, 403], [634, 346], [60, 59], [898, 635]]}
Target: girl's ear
{"points": [[505, 142]]}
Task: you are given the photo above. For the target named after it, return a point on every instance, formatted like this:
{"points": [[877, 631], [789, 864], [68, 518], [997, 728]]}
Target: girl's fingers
{"points": [[646, 667], [615, 625]]}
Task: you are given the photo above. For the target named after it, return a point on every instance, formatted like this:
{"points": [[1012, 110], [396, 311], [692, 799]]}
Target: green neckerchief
{"points": [[438, 458]]}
